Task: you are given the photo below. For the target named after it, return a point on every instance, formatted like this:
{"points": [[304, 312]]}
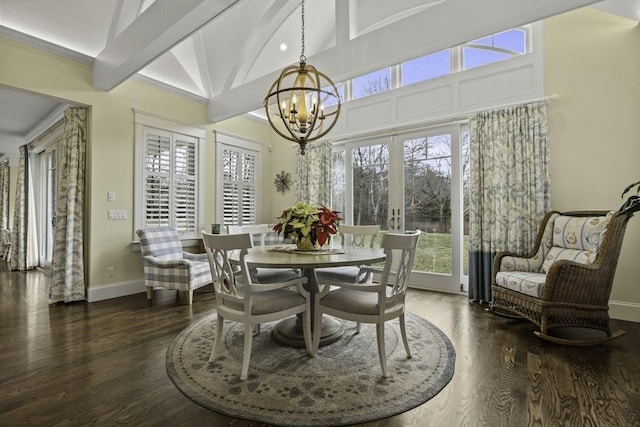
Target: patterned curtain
{"points": [[4, 194], [67, 279], [313, 174], [509, 187], [24, 241]]}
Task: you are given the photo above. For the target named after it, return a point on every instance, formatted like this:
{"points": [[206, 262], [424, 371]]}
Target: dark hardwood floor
{"points": [[104, 364]]}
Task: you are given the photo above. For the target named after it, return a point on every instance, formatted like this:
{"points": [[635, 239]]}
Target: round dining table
{"points": [[289, 331]]}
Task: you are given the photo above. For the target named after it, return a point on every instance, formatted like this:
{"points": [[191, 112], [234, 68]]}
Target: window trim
{"points": [[144, 119]]}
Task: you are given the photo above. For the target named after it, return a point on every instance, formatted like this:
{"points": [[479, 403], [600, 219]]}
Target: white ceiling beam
{"points": [[416, 35], [160, 27]]}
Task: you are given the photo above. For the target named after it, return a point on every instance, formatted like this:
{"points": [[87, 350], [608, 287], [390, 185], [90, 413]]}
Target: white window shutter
{"points": [[239, 186], [170, 181], [157, 177]]}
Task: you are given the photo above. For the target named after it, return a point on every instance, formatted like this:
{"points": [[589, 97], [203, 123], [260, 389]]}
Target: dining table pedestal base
{"points": [[289, 331]]}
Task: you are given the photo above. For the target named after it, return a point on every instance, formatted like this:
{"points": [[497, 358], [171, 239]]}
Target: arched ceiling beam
{"points": [[160, 27]]}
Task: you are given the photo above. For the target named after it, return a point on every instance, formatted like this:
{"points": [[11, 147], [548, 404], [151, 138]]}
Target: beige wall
{"points": [[592, 61], [110, 153]]}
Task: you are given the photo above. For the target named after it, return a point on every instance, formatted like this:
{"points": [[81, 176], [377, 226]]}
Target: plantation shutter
{"points": [[170, 180], [157, 178], [239, 186], [184, 180], [230, 187]]}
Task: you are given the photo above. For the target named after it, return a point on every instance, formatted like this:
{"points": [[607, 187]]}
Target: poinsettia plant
{"points": [[304, 221]]}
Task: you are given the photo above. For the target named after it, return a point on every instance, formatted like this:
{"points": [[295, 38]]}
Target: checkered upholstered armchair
{"points": [[166, 265]]}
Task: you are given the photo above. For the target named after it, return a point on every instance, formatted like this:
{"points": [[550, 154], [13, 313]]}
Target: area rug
{"points": [[341, 385]]}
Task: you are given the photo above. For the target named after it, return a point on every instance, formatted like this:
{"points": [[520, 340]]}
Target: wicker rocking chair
{"points": [[566, 280]]}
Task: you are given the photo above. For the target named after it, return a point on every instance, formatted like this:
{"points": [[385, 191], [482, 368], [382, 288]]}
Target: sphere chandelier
{"points": [[295, 103]]}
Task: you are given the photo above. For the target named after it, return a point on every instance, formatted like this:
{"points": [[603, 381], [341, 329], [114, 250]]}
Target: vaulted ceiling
{"points": [[227, 52]]}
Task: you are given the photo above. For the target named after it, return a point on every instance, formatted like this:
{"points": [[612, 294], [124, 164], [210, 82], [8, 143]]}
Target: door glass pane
{"points": [[464, 137], [427, 200], [371, 185], [52, 195], [338, 182]]}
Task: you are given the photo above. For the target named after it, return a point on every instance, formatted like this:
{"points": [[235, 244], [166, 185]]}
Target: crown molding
{"points": [[168, 88], [23, 38]]}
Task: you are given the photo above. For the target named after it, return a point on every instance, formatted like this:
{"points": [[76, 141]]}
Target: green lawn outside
{"points": [[434, 253]]}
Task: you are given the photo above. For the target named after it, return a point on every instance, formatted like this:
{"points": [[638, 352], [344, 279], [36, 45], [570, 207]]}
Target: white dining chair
{"points": [[239, 299], [377, 302], [351, 235], [259, 235]]}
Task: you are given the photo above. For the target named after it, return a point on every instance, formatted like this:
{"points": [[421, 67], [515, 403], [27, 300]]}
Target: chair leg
{"points": [[149, 292], [381, 348], [217, 342], [403, 331], [246, 356], [256, 329], [190, 296], [357, 327]]}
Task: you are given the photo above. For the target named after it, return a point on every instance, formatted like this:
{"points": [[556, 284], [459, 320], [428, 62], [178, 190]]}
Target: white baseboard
{"points": [[619, 310], [622, 310], [115, 290]]}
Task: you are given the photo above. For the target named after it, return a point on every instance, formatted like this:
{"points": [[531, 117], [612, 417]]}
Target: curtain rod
{"points": [[548, 98], [449, 120]]}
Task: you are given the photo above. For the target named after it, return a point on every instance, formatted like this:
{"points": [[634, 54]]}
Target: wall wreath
{"points": [[283, 182]]}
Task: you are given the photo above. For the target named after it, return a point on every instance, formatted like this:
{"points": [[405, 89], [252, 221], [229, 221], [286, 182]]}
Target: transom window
{"points": [[483, 51]]}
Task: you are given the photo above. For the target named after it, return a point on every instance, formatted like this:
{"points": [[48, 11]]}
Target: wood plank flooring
{"points": [[104, 364]]}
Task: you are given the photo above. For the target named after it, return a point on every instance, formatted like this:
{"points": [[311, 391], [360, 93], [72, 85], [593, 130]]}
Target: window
{"points": [[170, 182], [426, 67], [487, 50], [238, 177], [494, 48], [167, 175], [376, 82]]}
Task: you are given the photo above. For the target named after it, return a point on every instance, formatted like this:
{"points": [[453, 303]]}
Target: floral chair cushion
{"points": [[576, 239], [579, 233], [527, 283], [559, 254]]}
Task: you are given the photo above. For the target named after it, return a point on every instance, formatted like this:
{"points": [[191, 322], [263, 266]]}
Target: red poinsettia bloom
{"points": [[327, 224]]}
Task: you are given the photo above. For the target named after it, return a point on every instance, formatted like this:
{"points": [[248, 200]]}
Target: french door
{"points": [[48, 197], [407, 182]]}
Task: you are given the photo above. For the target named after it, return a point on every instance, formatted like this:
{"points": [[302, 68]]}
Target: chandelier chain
{"points": [[302, 57]]}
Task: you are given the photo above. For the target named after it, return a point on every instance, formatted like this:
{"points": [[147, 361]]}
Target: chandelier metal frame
{"points": [[287, 100]]}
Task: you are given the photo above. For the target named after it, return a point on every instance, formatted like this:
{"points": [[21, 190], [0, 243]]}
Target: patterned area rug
{"points": [[341, 385]]}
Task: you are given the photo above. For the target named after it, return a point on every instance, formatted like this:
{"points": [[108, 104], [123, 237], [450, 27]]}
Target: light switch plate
{"points": [[111, 196], [117, 214]]}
